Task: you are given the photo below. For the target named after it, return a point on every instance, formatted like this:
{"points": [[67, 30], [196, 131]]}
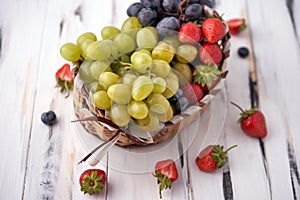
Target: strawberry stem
{"points": [[230, 148], [243, 111]]}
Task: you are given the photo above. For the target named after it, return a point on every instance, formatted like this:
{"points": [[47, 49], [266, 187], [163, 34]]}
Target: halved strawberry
{"points": [[189, 33], [92, 181], [166, 173], [64, 78], [236, 25], [213, 30], [210, 54]]}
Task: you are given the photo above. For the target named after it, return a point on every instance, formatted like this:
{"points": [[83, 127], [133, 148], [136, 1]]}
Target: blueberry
{"points": [[209, 3], [134, 9], [193, 12], [243, 52], [48, 118], [176, 96], [147, 16], [154, 4], [170, 5], [181, 104], [168, 26], [194, 1]]}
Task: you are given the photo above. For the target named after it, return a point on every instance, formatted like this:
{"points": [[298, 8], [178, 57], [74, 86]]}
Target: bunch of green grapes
{"points": [[129, 72]]}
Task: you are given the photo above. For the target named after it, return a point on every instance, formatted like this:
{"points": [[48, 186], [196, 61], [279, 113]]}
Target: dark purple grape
{"points": [[243, 52], [154, 4], [147, 16], [170, 5], [48, 118], [173, 100], [194, 1], [193, 12], [209, 3], [168, 26], [134, 9]]}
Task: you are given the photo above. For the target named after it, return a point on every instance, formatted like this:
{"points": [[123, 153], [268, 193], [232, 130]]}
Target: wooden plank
{"points": [[285, 102]]}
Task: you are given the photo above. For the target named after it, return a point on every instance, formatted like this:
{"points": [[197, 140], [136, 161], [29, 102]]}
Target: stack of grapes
{"points": [[141, 76]]}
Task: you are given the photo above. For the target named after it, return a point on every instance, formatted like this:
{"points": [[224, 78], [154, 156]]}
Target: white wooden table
{"points": [[38, 162]]}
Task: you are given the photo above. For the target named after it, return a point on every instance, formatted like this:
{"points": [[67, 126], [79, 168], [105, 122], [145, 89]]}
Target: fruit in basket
{"points": [[252, 122], [236, 25], [207, 76], [213, 30], [143, 74], [212, 157], [166, 173], [92, 181]]}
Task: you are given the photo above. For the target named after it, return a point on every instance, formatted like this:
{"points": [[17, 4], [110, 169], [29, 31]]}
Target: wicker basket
{"points": [[84, 108]]}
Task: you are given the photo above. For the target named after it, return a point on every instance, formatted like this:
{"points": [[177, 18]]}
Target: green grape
{"points": [[114, 49], [125, 58], [71, 52], [101, 100], [173, 40], [109, 32], [84, 44], [172, 75], [185, 71], [98, 50], [107, 79], [119, 93], [129, 78], [93, 86], [167, 116], [186, 53], [172, 87], [148, 124], [146, 38], [160, 68], [119, 114], [137, 109], [131, 26], [97, 67], [159, 84], [158, 103], [124, 43], [86, 36], [163, 51], [141, 61], [141, 88], [144, 51], [85, 73]]}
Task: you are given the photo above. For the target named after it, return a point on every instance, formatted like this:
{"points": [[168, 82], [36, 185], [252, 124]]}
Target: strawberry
{"points": [[64, 78], [192, 92], [252, 122], [166, 173], [236, 25], [213, 30], [189, 33], [212, 157], [207, 76], [92, 181], [210, 54]]}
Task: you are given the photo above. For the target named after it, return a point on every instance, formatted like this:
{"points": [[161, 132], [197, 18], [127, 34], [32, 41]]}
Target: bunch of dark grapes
{"points": [[166, 15]]}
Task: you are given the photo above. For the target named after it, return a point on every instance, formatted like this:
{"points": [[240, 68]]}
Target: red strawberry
{"points": [[210, 54], [92, 181], [207, 76], [64, 78], [212, 157], [192, 92], [236, 25], [166, 173], [189, 33], [213, 30], [252, 122]]}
